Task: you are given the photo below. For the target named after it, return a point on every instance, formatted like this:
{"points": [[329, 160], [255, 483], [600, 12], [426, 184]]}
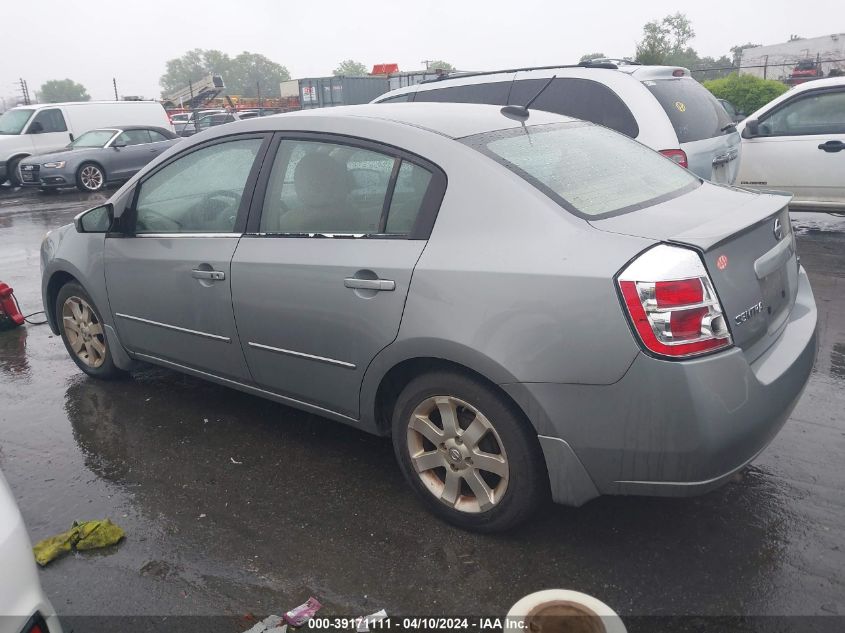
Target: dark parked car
{"points": [[97, 158]]}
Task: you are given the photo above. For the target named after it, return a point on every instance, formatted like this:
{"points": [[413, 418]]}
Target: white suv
{"points": [[660, 106], [797, 143]]}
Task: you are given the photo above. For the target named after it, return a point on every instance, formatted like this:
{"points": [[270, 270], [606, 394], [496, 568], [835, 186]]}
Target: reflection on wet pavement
{"points": [[233, 504]]}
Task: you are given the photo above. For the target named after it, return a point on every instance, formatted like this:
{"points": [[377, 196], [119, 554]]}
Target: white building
{"points": [[777, 61]]}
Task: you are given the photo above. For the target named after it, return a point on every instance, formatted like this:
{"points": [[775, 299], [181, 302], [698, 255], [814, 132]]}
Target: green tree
{"points": [[241, 74], [439, 64], [746, 92], [350, 68], [665, 39], [58, 90], [590, 56], [248, 70]]}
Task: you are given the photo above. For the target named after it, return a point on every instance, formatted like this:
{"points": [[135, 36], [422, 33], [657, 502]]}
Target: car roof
{"points": [[454, 120], [814, 84]]}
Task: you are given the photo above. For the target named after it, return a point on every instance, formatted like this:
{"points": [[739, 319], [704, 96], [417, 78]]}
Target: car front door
{"points": [[48, 131], [801, 148], [319, 280], [127, 153], [168, 271]]}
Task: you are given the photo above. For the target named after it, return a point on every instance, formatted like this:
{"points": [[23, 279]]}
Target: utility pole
{"points": [[258, 90], [426, 62], [24, 91], [766, 67], [114, 83]]}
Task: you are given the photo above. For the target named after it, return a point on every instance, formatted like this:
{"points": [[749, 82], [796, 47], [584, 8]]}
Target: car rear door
{"points": [[168, 270], [801, 149], [319, 280]]}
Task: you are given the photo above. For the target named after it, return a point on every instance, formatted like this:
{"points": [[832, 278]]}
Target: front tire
{"points": [[90, 177], [467, 452], [83, 333], [12, 172]]}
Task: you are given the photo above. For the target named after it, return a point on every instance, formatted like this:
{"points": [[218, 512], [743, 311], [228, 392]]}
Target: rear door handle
{"points": [[370, 284], [832, 146], [214, 275]]}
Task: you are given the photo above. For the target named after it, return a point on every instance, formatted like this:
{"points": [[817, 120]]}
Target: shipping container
{"points": [[402, 80], [325, 92]]}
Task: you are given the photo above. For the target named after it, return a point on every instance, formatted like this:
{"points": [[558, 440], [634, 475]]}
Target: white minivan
{"points": [[37, 129], [797, 143], [662, 107]]}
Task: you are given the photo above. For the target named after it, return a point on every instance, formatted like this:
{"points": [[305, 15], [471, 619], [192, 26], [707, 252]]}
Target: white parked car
{"points": [[660, 106], [797, 143], [23, 606], [39, 129]]}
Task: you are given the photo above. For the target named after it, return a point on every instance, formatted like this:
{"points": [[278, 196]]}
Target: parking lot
{"points": [[234, 505]]}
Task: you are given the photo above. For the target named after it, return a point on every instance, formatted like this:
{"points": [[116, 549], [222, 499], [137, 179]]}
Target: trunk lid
{"points": [[754, 270]]}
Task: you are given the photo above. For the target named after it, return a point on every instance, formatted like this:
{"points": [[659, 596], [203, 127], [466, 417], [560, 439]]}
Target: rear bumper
{"points": [[677, 428]]}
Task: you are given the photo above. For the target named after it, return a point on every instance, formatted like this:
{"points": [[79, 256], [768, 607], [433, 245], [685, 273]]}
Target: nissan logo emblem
{"points": [[778, 229]]}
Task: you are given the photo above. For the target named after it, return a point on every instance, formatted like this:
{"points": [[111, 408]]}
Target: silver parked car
{"points": [[522, 315], [97, 158]]}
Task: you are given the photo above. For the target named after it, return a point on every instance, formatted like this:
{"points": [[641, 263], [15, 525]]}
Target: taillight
{"points": [[673, 307], [677, 155]]}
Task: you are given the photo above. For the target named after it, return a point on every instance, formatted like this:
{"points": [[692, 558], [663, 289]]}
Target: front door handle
{"points": [[832, 146], [214, 275], [370, 284]]}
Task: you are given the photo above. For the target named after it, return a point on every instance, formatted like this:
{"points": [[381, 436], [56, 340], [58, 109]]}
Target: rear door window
{"points": [[579, 98], [693, 110], [494, 93]]}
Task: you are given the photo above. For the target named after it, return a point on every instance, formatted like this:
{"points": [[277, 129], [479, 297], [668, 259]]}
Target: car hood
{"points": [[62, 155]]}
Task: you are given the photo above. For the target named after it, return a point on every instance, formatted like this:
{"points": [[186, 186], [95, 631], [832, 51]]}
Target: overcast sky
{"points": [[95, 40]]}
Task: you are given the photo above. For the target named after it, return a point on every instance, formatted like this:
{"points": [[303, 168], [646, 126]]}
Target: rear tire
{"points": [[90, 177], [83, 333], [469, 455]]}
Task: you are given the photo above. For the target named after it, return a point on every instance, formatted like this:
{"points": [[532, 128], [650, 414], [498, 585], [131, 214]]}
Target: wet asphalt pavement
{"points": [[234, 505]]}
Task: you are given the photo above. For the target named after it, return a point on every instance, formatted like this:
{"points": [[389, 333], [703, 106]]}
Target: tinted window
{"points": [[412, 183], [569, 162], [199, 192], [94, 138], [579, 98], [816, 113], [326, 188], [134, 137], [156, 137], [495, 93], [694, 112], [51, 120]]}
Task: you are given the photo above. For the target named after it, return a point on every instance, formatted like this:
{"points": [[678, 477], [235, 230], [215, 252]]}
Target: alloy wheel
{"points": [[91, 177], [458, 454], [84, 332]]}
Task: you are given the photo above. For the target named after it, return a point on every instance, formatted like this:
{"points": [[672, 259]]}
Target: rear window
{"points": [[580, 98], [495, 93], [694, 112], [589, 170]]}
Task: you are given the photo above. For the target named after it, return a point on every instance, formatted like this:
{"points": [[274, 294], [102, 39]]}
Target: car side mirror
{"points": [[36, 128], [752, 129], [96, 220]]}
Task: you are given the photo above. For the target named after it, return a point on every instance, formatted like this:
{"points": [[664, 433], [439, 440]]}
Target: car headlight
{"points": [[57, 164]]}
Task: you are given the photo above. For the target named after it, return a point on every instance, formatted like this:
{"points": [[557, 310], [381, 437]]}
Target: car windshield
{"points": [[94, 138], [589, 170], [13, 121]]}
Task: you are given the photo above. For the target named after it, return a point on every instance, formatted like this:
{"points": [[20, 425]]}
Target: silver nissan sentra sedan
{"points": [[530, 308]]}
